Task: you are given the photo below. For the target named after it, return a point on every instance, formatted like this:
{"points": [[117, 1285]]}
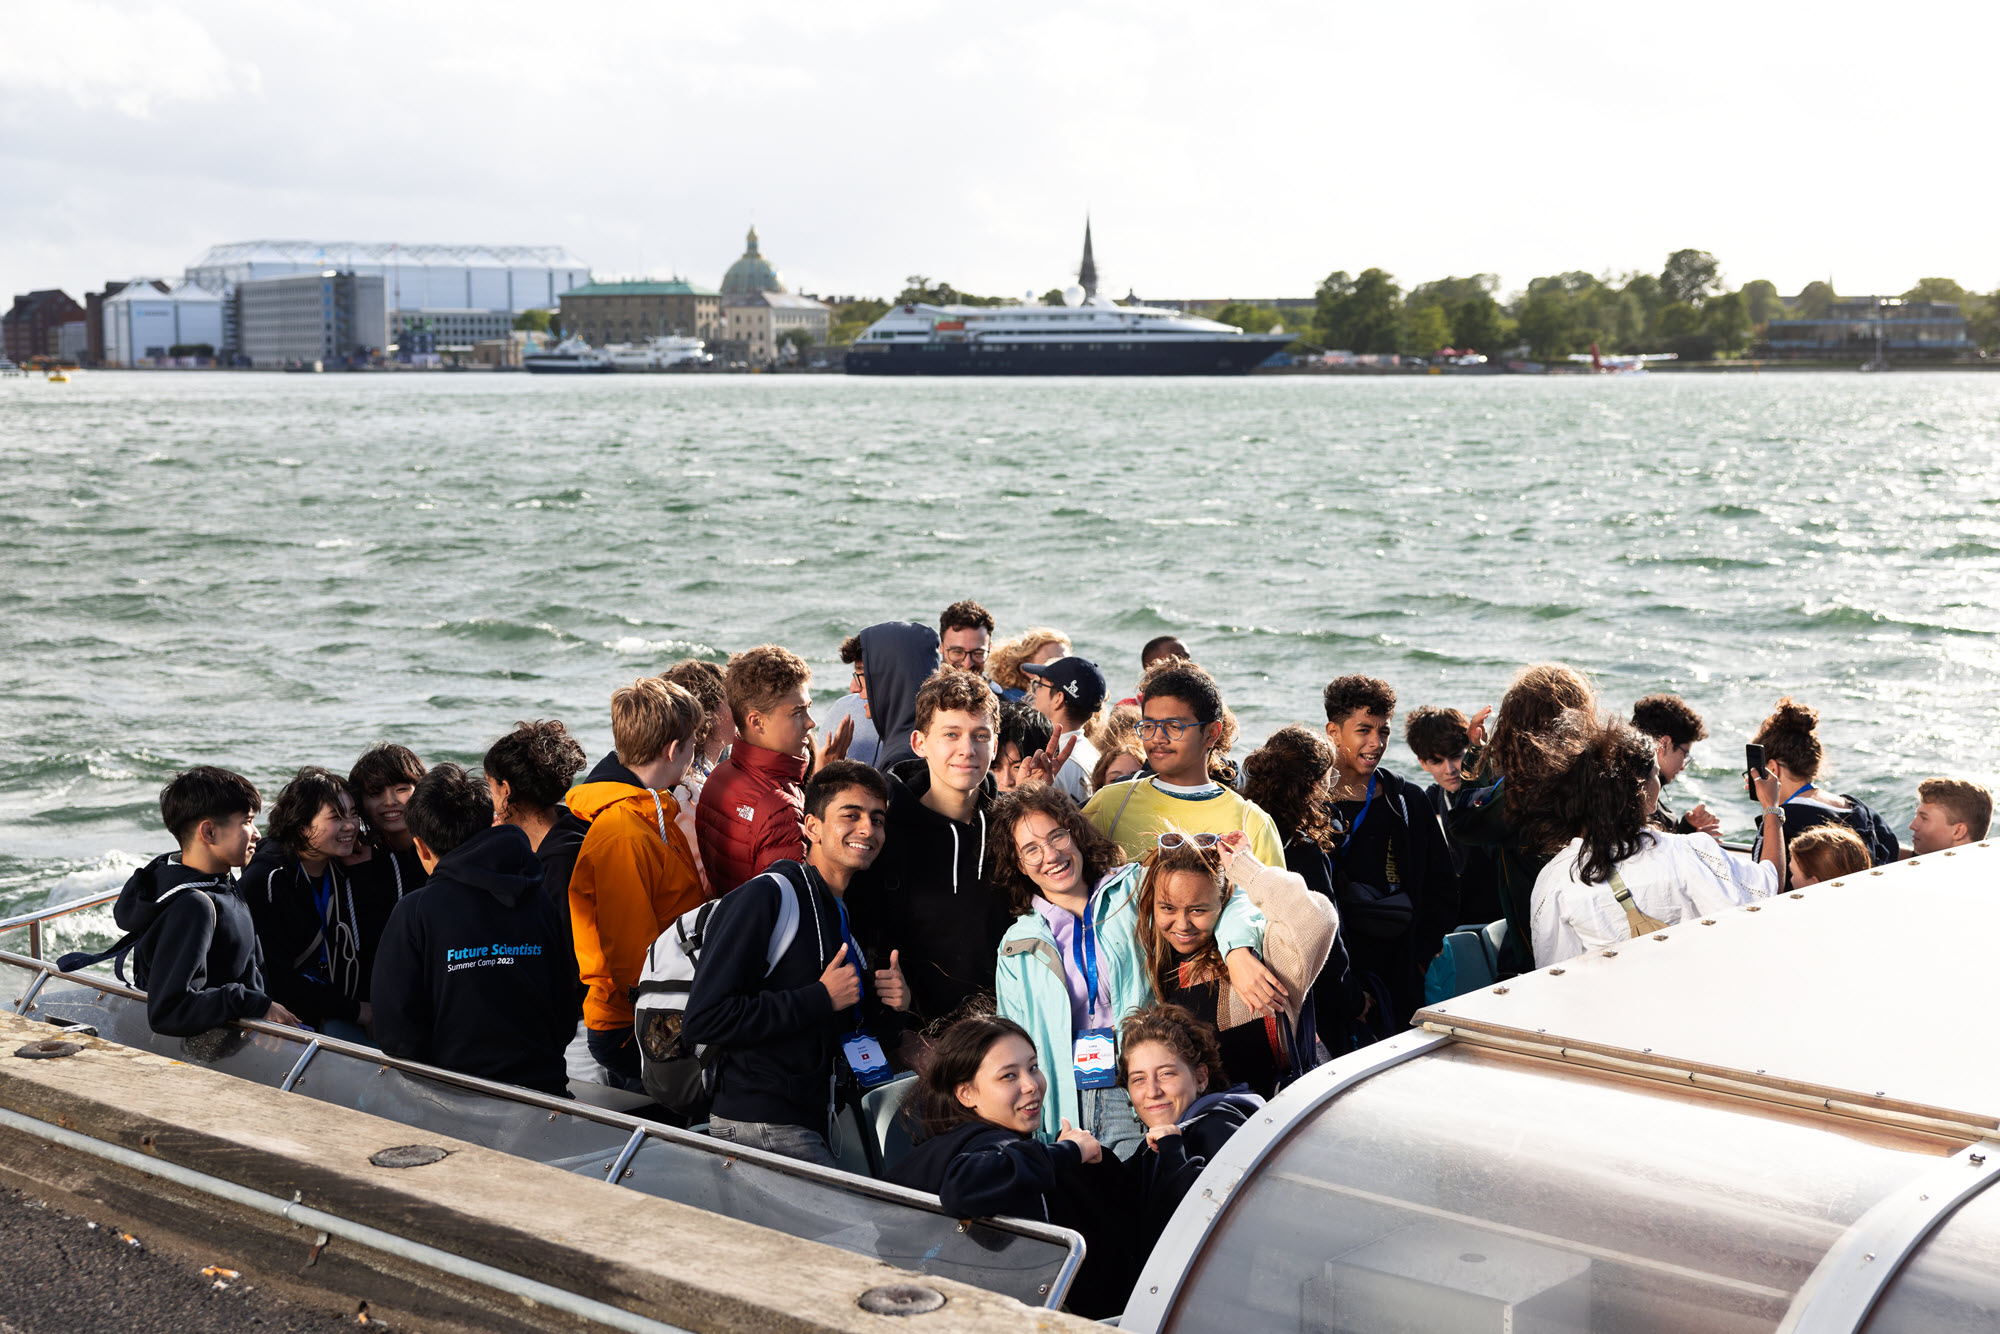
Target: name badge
{"points": [[1096, 1058], [866, 1059]]}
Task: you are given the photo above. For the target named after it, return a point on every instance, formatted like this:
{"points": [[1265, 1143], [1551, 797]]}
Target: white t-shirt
{"points": [[866, 744], [1074, 777], [1671, 878]]}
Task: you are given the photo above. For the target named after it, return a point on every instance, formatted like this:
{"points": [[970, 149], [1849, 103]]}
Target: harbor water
{"points": [[263, 571]]}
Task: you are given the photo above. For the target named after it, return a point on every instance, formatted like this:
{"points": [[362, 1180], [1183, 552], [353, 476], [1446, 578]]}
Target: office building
{"points": [[332, 317], [755, 324], [631, 312], [29, 327]]}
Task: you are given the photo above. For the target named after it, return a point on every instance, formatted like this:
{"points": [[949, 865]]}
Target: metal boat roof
{"points": [[1852, 992]]}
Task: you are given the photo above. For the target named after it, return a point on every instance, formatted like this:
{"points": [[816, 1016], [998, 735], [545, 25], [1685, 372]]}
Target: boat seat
{"points": [[872, 1139], [611, 1099], [1461, 966], [1495, 934]]}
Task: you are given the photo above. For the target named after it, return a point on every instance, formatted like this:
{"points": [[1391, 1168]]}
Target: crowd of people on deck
{"points": [[1097, 941]]}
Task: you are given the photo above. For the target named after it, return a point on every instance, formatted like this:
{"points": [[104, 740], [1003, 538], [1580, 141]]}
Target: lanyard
{"points": [[1796, 795], [853, 957], [1355, 828], [325, 897], [1084, 945]]}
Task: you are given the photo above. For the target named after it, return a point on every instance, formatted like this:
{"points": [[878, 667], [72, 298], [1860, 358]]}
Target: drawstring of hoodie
{"points": [[979, 868]]}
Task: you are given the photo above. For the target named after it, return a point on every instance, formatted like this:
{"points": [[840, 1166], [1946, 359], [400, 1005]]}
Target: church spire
{"points": [[1086, 274]]}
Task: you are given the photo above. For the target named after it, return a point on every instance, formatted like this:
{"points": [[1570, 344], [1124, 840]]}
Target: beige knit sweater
{"points": [[1298, 935]]}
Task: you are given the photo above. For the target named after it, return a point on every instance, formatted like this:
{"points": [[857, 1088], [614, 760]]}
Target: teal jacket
{"points": [[1033, 994]]}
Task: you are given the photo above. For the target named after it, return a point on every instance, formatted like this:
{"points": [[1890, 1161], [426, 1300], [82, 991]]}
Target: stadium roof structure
{"points": [[388, 252]]}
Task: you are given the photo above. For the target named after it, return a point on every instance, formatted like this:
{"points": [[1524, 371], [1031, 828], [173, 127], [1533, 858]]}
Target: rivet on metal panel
{"points": [[1541, 1030], [1880, 1094], [1646, 1049], [1208, 1195], [1797, 896], [1659, 937], [1921, 1198], [1951, 854], [1874, 873], [1153, 1289], [1976, 1159], [552, 1116], [1499, 991], [1611, 954], [1708, 921], [1869, 1256], [1754, 908], [1555, 972]]}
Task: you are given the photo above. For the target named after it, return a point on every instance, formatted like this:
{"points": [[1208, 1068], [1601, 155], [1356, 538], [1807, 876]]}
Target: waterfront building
{"points": [[751, 272], [631, 312], [449, 330], [29, 328], [755, 324], [1853, 329], [142, 323], [331, 317], [93, 305], [416, 278]]}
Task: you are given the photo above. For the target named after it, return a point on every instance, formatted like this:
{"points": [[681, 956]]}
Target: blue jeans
{"points": [[808, 1146], [617, 1051], [1108, 1115]]}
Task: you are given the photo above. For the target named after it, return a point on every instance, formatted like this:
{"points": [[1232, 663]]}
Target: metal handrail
{"points": [[33, 921], [847, 1182]]}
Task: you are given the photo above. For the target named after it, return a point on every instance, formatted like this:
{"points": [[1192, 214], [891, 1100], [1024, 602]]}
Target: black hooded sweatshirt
{"points": [[313, 963], [476, 972], [1402, 823], [898, 656], [196, 956], [1162, 1177], [927, 895], [980, 1170]]}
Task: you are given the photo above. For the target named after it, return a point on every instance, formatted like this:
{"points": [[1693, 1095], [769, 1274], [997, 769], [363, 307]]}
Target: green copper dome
{"points": [[752, 273]]}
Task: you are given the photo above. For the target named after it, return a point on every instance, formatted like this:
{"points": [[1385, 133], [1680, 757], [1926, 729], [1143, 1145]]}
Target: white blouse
{"points": [[1671, 878]]}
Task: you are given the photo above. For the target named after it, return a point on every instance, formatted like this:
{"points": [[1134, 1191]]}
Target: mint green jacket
{"points": [[1034, 995]]}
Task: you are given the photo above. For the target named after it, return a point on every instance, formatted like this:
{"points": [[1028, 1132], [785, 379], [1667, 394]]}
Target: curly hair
{"points": [[965, 614], [1829, 851], [934, 1106], [1121, 746], [757, 678], [1177, 678], [537, 761], [1100, 856], [1669, 716], [1114, 728], [1161, 966], [1596, 787], [1346, 696], [1003, 664], [1536, 699], [1286, 777], [310, 791], [955, 690], [1791, 737], [1021, 726], [703, 680], [1176, 1028]]}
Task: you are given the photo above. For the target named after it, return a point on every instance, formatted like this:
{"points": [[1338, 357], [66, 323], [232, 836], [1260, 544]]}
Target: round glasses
{"points": [[965, 657], [1032, 855]]}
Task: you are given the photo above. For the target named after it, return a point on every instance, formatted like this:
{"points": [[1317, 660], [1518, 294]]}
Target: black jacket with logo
{"points": [[476, 972]]}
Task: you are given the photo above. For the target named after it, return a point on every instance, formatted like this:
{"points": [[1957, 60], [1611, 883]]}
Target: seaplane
{"points": [[1634, 364]]}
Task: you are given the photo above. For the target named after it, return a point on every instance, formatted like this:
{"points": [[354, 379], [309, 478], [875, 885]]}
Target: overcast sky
{"points": [[1222, 148]]}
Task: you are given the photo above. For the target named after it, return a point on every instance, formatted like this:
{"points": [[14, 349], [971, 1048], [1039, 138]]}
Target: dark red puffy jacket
{"points": [[749, 814]]}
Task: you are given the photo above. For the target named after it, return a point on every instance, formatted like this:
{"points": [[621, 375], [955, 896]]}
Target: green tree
{"points": [[797, 339], [1815, 301], [1475, 323], [1249, 318], [1053, 297], [1938, 289], [1426, 329], [534, 321], [1678, 326], [1360, 314], [1761, 302], [1983, 324], [1547, 323], [1726, 320], [1690, 276]]}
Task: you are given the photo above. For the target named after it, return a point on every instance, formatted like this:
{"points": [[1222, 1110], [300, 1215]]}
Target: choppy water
{"points": [[267, 570]]}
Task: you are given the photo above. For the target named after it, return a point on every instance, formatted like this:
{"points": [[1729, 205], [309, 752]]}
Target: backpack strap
{"points": [[77, 960], [1130, 792], [787, 928], [1636, 921]]}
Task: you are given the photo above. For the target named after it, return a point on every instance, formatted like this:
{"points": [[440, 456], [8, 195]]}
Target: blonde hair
{"points": [[1003, 664], [1829, 851], [648, 716], [757, 678]]}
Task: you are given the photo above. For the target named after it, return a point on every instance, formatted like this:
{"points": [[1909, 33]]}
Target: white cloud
{"points": [[134, 58]]}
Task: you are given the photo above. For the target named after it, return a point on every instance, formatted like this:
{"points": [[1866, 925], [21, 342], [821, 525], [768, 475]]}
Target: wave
{"points": [[1842, 616], [1967, 549], [494, 630]]}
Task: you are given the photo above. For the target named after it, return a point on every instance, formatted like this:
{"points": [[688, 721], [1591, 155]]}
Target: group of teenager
{"points": [[1097, 941]]}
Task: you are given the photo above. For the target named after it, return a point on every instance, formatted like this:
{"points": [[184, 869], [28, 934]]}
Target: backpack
{"points": [[680, 1076], [78, 960]]}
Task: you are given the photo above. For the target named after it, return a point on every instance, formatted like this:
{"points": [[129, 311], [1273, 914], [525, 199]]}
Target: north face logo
{"points": [[746, 813]]}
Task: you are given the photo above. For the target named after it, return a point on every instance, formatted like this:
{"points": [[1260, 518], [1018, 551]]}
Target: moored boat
{"points": [[572, 356]]}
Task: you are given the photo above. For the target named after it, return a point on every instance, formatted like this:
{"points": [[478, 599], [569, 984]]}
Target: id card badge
{"points": [[1096, 1058], [866, 1059]]}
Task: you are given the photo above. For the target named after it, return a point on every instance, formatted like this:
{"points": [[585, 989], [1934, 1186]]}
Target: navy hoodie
{"points": [[476, 972], [196, 957], [1161, 1178], [928, 896], [899, 656], [980, 1170]]}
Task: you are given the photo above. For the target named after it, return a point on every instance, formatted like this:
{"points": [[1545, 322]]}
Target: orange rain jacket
{"points": [[634, 875]]}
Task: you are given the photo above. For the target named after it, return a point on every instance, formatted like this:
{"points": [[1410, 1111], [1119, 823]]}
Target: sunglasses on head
{"points": [[1167, 842]]}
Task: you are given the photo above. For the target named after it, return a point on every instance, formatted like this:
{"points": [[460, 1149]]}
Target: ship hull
{"points": [[564, 366], [1194, 356]]}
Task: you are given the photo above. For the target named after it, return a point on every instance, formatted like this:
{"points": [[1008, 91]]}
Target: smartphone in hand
{"points": [[1753, 762]]}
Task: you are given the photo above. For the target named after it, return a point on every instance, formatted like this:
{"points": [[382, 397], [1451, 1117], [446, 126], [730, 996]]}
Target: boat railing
{"points": [[1045, 1283]]}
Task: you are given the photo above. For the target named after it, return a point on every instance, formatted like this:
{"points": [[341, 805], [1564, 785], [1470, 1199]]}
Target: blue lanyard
{"points": [[1084, 944], [1796, 795], [853, 957], [1355, 828]]}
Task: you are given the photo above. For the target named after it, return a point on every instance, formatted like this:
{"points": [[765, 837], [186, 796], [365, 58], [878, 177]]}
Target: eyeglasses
{"points": [[1173, 838], [1032, 855], [1168, 729], [965, 657]]}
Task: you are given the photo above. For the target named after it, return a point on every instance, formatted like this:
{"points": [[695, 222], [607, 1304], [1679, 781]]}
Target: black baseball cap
{"points": [[1077, 678]]}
